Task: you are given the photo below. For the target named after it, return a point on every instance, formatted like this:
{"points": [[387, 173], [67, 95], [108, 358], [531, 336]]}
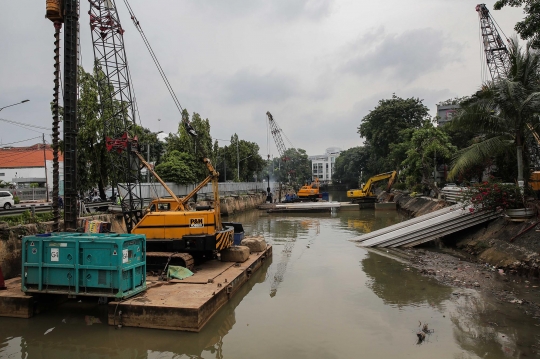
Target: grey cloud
{"points": [[406, 56], [246, 86], [282, 9]]}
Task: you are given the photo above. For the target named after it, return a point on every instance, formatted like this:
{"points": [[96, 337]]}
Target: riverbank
{"points": [[499, 258], [511, 246]]}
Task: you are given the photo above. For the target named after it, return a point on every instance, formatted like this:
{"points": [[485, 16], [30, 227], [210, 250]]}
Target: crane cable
{"points": [[154, 57]]}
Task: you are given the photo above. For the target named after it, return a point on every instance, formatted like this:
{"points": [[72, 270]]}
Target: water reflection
{"points": [[492, 330], [73, 338], [399, 287]]}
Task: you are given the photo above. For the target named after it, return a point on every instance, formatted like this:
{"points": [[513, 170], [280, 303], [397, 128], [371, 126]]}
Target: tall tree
{"points": [[529, 27], [196, 147], [350, 165], [427, 146], [296, 169], [503, 113], [382, 126], [177, 167]]}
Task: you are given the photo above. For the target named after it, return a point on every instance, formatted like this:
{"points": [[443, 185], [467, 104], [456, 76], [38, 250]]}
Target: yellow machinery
{"points": [[309, 192], [175, 231], [366, 193]]}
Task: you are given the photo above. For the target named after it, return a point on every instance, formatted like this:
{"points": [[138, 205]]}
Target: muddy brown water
{"points": [[321, 296]]}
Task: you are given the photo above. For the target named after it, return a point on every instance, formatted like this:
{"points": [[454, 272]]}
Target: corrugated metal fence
{"points": [[152, 190]]}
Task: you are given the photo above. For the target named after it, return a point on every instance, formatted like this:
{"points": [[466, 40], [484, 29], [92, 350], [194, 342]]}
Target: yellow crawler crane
{"points": [[176, 233], [366, 193]]}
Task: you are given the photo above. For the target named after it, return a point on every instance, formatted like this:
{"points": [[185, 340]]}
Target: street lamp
{"points": [[15, 104], [237, 156]]}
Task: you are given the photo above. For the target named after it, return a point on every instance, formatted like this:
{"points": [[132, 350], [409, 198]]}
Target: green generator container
{"points": [[101, 264]]}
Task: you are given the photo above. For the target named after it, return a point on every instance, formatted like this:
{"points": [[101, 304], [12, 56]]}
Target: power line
{"points": [[11, 143], [154, 57], [24, 124]]}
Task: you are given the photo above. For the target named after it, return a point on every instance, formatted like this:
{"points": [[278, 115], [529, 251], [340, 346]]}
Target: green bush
{"points": [[400, 186], [16, 199]]}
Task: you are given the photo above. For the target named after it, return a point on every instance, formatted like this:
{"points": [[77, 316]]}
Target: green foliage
{"points": [[502, 114], [177, 167], [529, 27], [382, 126], [384, 129], [34, 185], [400, 186], [251, 163], [16, 199], [349, 166], [296, 169], [454, 101], [26, 218], [425, 144], [198, 147]]}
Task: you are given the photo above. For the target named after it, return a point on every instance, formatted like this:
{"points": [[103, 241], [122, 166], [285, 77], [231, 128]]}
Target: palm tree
{"points": [[504, 113]]}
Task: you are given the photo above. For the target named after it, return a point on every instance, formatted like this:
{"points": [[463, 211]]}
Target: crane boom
{"points": [[117, 106], [497, 56], [495, 50], [276, 133]]}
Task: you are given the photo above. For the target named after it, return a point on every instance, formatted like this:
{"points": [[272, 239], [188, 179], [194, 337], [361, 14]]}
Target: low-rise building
{"points": [[23, 166], [445, 113], [322, 166]]}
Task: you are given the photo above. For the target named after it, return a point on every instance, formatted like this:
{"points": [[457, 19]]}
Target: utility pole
{"points": [[148, 160], [45, 163], [237, 160], [435, 167]]}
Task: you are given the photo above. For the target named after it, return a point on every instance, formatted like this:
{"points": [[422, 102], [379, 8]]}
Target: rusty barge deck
{"points": [[185, 305]]}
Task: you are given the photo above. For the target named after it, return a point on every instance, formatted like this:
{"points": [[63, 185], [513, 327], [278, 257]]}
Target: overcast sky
{"points": [[318, 66]]}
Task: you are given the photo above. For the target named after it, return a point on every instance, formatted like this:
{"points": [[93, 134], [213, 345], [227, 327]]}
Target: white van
{"points": [[6, 200]]}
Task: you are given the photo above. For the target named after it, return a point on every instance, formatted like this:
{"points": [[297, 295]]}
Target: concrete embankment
{"points": [[511, 246], [10, 237]]}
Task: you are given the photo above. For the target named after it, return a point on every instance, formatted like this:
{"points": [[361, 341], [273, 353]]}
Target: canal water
{"points": [[321, 296]]}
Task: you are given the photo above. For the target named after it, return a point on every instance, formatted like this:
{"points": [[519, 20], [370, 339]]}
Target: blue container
{"points": [[100, 264], [238, 231], [325, 196]]}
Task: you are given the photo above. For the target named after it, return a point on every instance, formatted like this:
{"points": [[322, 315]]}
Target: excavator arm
{"points": [[213, 176], [380, 177], [366, 191]]}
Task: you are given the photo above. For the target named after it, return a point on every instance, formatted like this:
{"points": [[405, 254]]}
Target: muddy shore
{"points": [[499, 259]]}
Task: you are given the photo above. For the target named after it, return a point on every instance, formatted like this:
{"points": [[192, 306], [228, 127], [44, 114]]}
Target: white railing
{"points": [[30, 194]]}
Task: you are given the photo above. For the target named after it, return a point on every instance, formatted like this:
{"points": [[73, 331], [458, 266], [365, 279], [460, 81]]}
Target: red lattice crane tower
{"points": [[495, 50]]}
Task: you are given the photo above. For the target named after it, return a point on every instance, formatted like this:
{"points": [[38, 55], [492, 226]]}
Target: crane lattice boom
{"points": [[495, 49], [118, 108], [276, 133]]}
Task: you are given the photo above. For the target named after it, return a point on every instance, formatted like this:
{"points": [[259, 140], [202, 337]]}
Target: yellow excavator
{"points": [[365, 194]]}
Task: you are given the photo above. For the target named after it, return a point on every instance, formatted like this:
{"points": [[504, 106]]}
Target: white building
{"points": [[323, 165], [25, 165]]}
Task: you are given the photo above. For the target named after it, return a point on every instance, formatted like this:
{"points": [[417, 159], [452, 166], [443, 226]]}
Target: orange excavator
{"points": [[310, 192]]}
